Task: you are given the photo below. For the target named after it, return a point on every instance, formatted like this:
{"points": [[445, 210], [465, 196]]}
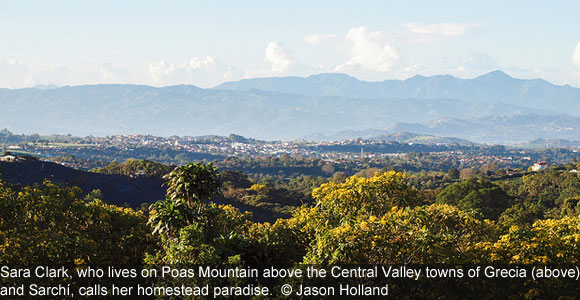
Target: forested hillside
{"points": [[381, 219]]}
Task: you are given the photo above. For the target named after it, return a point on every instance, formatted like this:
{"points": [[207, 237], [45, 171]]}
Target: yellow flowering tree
{"points": [[53, 224], [431, 234], [550, 241]]}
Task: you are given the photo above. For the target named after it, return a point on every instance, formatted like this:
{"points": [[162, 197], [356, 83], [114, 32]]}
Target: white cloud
{"points": [[13, 73], [205, 71], [213, 70], [164, 71], [58, 75], [368, 50], [477, 61], [432, 32], [280, 58], [317, 39], [206, 62], [413, 69], [576, 55], [112, 74]]}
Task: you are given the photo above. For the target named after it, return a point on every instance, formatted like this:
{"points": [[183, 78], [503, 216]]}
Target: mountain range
{"points": [[493, 107], [500, 129], [493, 87], [385, 136]]}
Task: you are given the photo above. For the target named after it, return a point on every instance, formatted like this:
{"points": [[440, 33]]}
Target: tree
{"points": [[481, 196], [423, 234], [132, 167], [367, 173], [235, 179], [52, 224], [339, 177], [547, 241], [328, 169], [453, 174], [570, 207], [168, 216], [194, 184], [367, 196], [189, 187], [521, 215], [467, 174]]}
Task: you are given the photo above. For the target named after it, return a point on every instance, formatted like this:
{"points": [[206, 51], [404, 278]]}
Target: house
{"points": [[539, 166], [16, 157], [139, 173], [8, 158]]}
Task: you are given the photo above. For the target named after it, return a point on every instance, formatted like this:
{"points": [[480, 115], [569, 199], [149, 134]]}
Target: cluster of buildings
{"points": [[329, 151]]}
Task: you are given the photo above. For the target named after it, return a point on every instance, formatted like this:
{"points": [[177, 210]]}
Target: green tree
{"points": [[521, 215], [167, 217], [189, 188], [193, 183], [478, 195], [453, 174]]}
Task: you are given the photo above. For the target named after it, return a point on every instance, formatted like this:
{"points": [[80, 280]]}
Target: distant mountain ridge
{"points": [[488, 129], [491, 108], [188, 110], [388, 136], [493, 87]]}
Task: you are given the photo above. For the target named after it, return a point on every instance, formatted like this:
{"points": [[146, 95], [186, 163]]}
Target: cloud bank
{"points": [[13, 73], [317, 39], [205, 72], [434, 32], [279, 57], [368, 51], [576, 55]]}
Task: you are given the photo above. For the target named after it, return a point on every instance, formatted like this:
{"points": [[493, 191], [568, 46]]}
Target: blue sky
{"points": [[208, 42]]}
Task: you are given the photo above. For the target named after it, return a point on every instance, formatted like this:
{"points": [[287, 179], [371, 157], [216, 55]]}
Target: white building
{"points": [[539, 166]]}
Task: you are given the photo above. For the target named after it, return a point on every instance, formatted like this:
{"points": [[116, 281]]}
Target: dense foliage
{"points": [[136, 167], [52, 224], [376, 219]]}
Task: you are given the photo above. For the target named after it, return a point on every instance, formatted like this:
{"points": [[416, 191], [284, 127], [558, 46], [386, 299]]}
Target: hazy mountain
{"points": [[500, 129], [188, 110], [492, 107], [493, 87], [558, 129], [548, 143], [45, 86], [407, 137], [387, 135]]}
